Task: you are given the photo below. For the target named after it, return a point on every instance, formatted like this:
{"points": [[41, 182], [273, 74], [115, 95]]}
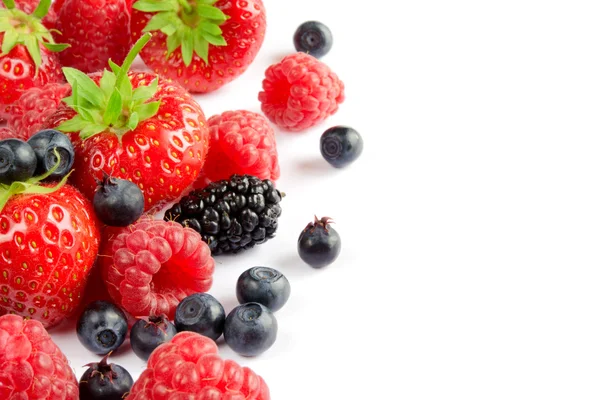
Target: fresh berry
{"points": [[231, 215], [250, 329], [46, 144], [17, 161], [49, 241], [29, 6], [314, 38], [7, 133], [33, 367], [158, 141], [96, 32], [151, 266], [341, 146], [242, 143], [319, 244], [104, 381], [35, 105], [147, 334], [27, 58], [200, 313], [102, 327], [201, 44], [263, 285], [188, 367], [299, 92], [118, 202]]}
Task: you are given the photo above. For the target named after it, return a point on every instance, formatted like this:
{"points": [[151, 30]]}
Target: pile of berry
{"points": [[91, 151]]}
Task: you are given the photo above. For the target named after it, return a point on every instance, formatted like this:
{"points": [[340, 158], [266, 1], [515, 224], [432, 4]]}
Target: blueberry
{"points": [[319, 244], [341, 146], [118, 202], [200, 313], [314, 38], [148, 335], [263, 285], [250, 329], [103, 381], [17, 161], [102, 327], [44, 143]]}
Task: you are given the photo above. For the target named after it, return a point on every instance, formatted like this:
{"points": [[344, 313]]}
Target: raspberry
{"points": [[33, 367], [299, 92], [151, 266], [243, 143], [7, 133], [188, 367], [34, 106]]}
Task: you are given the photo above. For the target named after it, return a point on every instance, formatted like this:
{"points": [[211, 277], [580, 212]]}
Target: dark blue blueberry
{"points": [[314, 38], [319, 244], [148, 335], [250, 329], [263, 285], [341, 146], [44, 143], [118, 202], [103, 381], [17, 161], [102, 327], [200, 313]]}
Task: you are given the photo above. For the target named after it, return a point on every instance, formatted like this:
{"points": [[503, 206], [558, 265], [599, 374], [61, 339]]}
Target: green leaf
{"points": [[42, 9], [155, 5], [201, 48], [169, 30], [55, 47], [215, 40], [114, 67], [86, 113], [209, 27], [10, 4], [134, 120], [33, 49], [126, 90], [10, 40], [159, 21], [187, 48], [209, 2], [69, 101], [5, 25], [107, 83], [87, 89], [173, 42], [210, 12], [144, 93], [113, 108], [91, 130], [147, 110], [75, 124]]}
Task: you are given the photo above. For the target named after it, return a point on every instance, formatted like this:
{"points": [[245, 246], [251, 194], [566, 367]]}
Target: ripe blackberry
{"points": [[231, 215]]}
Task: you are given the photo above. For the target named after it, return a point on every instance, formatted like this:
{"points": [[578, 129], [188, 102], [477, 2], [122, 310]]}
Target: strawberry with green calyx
{"points": [[135, 126], [27, 52], [201, 44], [49, 240]]}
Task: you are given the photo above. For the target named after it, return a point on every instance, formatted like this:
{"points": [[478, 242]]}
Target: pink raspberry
{"points": [[188, 367], [31, 365], [299, 92], [151, 266], [35, 105], [243, 143], [7, 133]]}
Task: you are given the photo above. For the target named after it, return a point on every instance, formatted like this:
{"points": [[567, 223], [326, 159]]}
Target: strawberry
{"points": [[49, 240], [27, 56], [201, 44], [133, 126], [96, 30]]}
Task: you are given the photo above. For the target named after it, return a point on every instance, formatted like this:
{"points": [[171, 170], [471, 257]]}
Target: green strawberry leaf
{"points": [[113, 108], [187, 48], [54, 47], [33, 48], [159, 21], [144, 93], [42, 9], [155, 5], [210, 28], [173, 42], [88, 90], [201, 47], [207, 2], [215, 40], [134, 120], [114, 67], [10, 40], [91, 129], [76, 124], [107, 83], [210, 12], [147, 110]]}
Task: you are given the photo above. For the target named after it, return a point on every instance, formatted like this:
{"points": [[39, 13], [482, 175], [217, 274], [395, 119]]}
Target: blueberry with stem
{"points": [[149, 333], [104, 381], [319, 244]]}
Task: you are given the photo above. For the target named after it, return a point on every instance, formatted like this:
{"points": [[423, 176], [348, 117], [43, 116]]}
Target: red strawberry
{"points": [[97, 30], [34, 106], [200, 44], [241, 142], [27, 58], [154, 134], [189, 367], [150, 266], [48, 244], [33, 367]]}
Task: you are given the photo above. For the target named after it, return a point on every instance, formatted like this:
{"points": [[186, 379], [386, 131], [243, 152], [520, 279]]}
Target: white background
{"points": [[471, 223]]}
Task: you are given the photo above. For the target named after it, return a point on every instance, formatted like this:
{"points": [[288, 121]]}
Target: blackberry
{"points": [[231, 215]]}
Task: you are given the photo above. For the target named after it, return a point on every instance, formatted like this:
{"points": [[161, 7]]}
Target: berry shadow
{"points": [[315, 165]]}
